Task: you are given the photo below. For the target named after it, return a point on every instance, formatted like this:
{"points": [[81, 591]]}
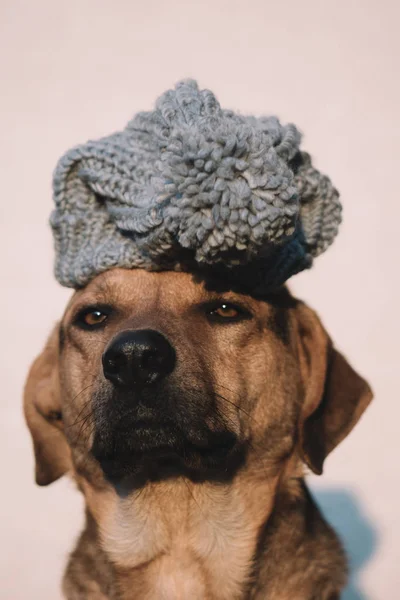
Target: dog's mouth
{"points": [[164, 432], [150, 450]]}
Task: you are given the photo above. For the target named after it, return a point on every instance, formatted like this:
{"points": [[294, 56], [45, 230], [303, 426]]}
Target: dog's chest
{"points": [[182, 550]]}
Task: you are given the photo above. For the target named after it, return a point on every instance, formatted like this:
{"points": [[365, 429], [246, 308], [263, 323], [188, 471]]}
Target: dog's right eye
{"points": [[92, 318]]}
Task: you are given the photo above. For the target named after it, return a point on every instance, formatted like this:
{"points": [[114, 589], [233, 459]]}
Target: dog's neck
{"points": [[175, 539]]}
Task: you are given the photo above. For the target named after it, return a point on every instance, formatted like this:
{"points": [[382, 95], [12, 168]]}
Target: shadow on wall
{"points": [[343, 511]]}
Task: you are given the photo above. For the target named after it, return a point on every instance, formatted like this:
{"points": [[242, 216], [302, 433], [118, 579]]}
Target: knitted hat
{"points": [[192, 186]]}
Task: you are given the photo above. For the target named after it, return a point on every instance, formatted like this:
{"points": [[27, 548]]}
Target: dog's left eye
{"points": [[225, 311]]}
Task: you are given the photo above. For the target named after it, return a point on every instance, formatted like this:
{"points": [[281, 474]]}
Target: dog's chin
{"points": [[153, 452]]}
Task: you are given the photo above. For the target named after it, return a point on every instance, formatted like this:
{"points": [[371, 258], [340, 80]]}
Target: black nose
{"points": [[138, 358]]}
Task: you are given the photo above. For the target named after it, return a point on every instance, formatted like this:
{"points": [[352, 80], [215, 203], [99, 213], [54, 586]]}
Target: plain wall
{"points": [[78, 69]]}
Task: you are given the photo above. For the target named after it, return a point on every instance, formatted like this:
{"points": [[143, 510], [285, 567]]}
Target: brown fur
{"points": [[279, 385]]}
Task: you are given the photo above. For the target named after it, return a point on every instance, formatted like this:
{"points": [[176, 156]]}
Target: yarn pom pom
{"points": [[191, 178]]}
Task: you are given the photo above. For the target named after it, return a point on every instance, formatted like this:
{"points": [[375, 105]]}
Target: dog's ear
{"points": [[335, 396], [43, 415]]}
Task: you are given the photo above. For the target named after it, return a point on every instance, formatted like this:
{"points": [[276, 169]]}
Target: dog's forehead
{"points": [[167, 289], [124, 286]]}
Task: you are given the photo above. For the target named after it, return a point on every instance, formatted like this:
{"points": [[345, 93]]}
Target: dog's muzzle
{"points": [[150, 422]]}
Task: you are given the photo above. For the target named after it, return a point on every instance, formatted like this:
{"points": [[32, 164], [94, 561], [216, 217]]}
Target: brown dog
{"points": [[186, 415]]}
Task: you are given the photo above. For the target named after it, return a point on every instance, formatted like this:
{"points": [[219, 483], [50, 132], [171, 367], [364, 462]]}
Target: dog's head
{"points": [[151, 375]]}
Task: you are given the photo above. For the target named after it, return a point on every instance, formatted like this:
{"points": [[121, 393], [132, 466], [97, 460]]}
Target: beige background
{"points": [[78, 69]]}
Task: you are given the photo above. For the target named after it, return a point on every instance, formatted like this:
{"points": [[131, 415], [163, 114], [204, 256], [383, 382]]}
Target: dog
{"points": [[188, 414]]}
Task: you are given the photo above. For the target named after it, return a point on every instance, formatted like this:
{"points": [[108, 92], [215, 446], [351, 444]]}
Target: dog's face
{"points": [[151, 375], [158, 374]]}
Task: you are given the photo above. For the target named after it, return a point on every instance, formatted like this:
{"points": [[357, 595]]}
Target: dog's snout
{"points": [[138, 358]]}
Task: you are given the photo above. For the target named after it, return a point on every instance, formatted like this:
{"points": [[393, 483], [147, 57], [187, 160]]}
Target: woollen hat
{"points": [[192, 186]]}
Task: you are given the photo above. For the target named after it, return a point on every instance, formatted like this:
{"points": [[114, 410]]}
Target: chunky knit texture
{"points": [[192, 186]]}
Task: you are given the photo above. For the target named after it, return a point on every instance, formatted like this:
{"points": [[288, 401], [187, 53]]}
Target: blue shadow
{"points": [[343, 511]]}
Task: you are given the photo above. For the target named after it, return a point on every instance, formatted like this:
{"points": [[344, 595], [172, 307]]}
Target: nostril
{"points": [[151, 359], [111, 366]]}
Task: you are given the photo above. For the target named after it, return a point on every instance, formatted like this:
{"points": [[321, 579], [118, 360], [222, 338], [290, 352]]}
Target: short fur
{"points": [[241, 526]]}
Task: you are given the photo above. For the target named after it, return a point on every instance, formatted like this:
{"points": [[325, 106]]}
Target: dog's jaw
{"points": [[135, 443], [156, 462]]}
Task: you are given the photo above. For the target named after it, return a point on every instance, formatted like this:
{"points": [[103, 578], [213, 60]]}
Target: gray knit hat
{"points": [[190, 186]]}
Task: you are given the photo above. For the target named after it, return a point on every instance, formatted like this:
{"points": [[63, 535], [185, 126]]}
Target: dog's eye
{"points": [[225, 311], [91, 318], [94, 317]]}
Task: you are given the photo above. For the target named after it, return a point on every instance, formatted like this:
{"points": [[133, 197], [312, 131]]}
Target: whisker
{"points": [[235, 405], [195, 501], [255, 450], [85, 405]]}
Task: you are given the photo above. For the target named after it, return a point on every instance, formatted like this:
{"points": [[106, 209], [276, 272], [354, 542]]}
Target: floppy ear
{"points": [[42, 410], [335, 395]]}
